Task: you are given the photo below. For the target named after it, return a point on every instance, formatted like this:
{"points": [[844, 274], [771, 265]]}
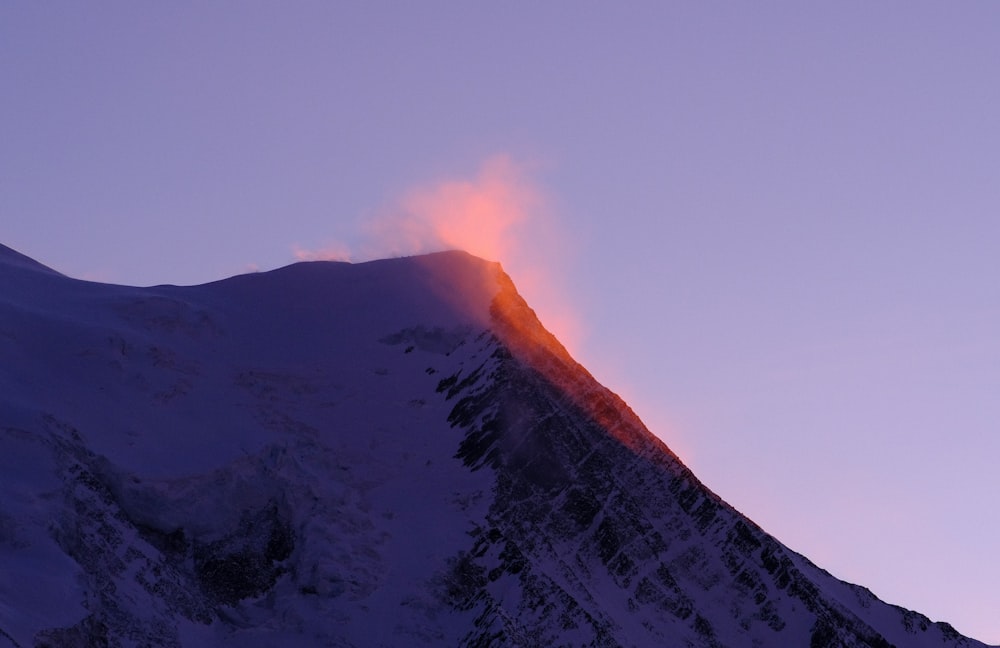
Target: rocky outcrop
{"points": [[614, 542]]}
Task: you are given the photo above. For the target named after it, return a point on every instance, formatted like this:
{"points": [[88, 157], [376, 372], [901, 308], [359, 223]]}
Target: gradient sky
{"points": [[772, 227]]}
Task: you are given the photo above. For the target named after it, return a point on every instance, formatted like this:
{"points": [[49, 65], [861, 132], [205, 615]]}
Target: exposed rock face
{"points": [[389, 454], [608, 541]]}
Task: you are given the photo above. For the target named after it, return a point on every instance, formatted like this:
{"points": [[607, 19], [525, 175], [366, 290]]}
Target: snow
{"points": [[199, 404]]}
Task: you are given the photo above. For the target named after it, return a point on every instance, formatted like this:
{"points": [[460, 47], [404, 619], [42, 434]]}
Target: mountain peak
{"points": [[386, 453]]}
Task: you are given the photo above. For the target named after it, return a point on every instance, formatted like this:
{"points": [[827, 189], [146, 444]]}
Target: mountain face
{"points": [[393, 453]]}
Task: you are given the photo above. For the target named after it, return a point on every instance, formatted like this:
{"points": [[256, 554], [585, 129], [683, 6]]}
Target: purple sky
{"points": [[774, 228]]}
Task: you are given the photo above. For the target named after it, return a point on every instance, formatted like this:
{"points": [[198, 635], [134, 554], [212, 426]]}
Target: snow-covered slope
{"points": [[393, 453]]}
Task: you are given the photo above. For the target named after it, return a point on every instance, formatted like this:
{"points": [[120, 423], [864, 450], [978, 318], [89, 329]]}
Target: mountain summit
{"points": [[393, 453]]}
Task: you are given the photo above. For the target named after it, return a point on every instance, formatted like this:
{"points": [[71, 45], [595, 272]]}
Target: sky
{"points": [[771, 227]]}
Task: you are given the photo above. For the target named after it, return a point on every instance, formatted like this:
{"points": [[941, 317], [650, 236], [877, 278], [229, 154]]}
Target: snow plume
{"points": [[498, 214], [479, 215], [333, 252]]}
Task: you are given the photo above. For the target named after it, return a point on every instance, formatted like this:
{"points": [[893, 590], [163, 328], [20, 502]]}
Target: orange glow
{"points": [[498, 215], [529, 341], [477, 215], [483, 292], [545, 290]]}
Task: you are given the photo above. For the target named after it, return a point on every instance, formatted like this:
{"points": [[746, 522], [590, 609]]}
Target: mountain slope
{"points": [[392, 453]]}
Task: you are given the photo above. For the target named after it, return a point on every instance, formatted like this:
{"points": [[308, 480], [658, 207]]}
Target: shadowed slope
{"points": [[14, 259]]}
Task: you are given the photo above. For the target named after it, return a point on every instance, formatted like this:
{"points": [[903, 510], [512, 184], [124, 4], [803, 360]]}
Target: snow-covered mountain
{"points": [[392, 453]]}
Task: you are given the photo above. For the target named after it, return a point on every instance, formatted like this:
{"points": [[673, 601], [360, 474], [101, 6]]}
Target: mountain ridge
{"points": [[13, 258]]}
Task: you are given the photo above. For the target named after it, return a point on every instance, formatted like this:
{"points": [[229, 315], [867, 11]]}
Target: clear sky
{"points": [[772, 227]]}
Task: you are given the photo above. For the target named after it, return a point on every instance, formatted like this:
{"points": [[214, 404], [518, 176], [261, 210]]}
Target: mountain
{"points": [[393, 453]]}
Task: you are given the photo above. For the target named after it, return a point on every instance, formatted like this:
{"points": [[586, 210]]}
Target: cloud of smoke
{"points": [[499, 214]]}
